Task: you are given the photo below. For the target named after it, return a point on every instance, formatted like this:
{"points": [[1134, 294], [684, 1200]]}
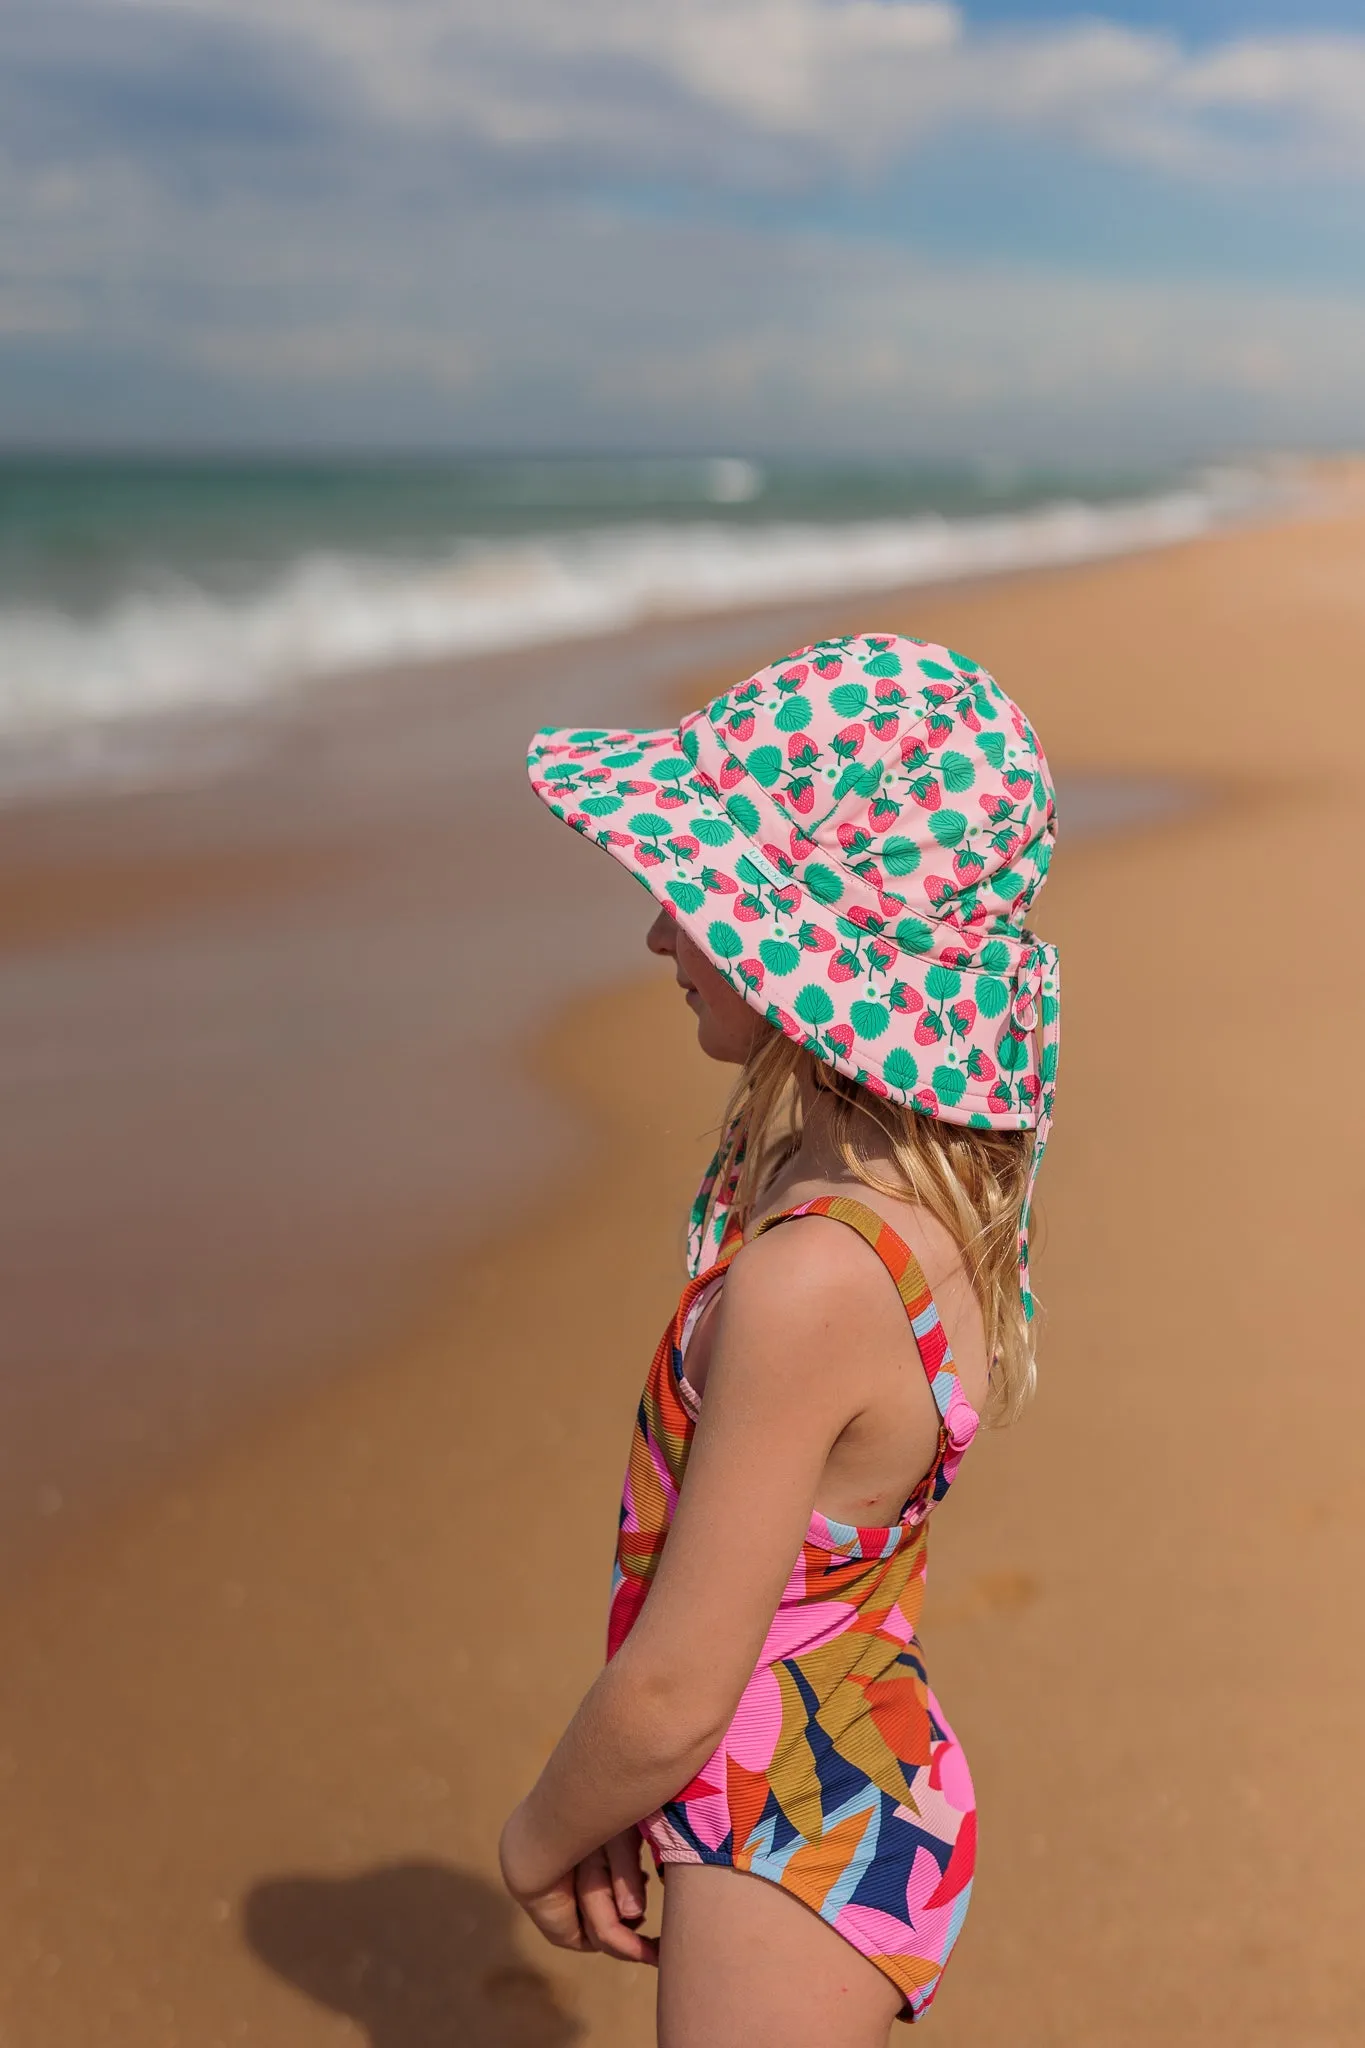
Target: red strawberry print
{"points": [[880, 954], [914, 753], [794, 676], [616, 839], [801, 796], [954, 956], [827, 666], [802, 848], [685, 846], [636, 788], [843, 966], [1018, 781], [801, 750], [670, 799], [905, 999], [752, 972], [888, 691], [815, 939], [926, 792], [925, 1101], [866, 919], [747, 909], [979, 1065], [647, 856], [995, 807], [853, 838], [885, 724], [892, 905], [788, 898], [731, 772], [881, 815], [939, 729], [840, 1037], [998, 1100], [936, 887], [741, 726], [875, 1085], [962, 1014], [929, 1029], [850, 739], [717, 883], [778, 858]]}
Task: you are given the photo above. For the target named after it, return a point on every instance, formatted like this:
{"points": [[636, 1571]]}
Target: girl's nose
{"points": [[661, 937]]}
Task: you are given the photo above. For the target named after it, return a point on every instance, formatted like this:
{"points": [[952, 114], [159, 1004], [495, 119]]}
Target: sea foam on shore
{"points": [[172, 631]]}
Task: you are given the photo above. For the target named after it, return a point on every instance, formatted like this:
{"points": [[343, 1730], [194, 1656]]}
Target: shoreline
{"points": [[235, 1022]]}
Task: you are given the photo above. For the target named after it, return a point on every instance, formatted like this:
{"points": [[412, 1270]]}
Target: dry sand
{"points": [[258, 1729]]}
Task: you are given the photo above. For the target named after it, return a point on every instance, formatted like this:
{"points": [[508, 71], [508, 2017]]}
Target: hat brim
{"points": [[830, 974]]}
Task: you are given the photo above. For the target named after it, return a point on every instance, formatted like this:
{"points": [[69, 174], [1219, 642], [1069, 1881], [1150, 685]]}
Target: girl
{"points": [[844, 848]]}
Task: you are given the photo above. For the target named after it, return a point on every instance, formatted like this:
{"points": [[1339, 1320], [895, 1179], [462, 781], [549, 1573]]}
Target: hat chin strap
{"points": [[1038, 996]]}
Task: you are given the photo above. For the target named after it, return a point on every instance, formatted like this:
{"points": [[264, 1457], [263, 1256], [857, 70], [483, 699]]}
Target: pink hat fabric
{"points": [[854, 836]]}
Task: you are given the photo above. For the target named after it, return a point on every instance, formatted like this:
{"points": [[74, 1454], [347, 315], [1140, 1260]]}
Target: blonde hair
{"points": [[972, 1181]]}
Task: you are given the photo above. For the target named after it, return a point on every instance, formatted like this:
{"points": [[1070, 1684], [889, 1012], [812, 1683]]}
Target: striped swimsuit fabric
{"points": [[839, 1778]]}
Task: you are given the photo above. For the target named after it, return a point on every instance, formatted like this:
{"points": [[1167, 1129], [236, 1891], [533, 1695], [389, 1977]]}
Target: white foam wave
{"points": [[178, 648]]}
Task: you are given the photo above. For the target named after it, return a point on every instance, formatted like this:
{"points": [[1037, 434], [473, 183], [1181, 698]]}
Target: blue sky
{"points": [[849, 225]]}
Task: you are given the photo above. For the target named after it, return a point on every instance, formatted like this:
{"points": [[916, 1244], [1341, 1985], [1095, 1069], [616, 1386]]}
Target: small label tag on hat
{"points": [[768, 869]]}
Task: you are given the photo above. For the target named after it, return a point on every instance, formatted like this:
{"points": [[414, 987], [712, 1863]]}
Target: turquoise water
{"points": [[130, 588]]}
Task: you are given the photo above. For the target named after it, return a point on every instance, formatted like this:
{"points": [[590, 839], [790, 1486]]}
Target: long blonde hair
{"points": [[972, 1181]]}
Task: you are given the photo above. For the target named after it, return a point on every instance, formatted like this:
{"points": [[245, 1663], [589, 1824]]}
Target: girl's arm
{"points": [[792, 1321]]}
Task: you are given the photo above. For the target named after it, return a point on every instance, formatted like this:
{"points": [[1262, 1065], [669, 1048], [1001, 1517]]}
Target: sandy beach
{"points": [[329, 1292]]}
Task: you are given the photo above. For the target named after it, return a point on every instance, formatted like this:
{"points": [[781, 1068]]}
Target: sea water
{"points": [[135, 588]]}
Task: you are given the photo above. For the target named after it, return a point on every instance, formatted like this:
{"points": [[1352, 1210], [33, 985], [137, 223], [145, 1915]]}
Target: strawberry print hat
{"points": [[854, 836]]}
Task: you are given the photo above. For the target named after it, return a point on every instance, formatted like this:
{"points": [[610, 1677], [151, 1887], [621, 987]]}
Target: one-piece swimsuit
{"points": [[839, 1778]]}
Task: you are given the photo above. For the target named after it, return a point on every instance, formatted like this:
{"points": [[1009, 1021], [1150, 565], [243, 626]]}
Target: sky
{"points": [[1094, 233]]}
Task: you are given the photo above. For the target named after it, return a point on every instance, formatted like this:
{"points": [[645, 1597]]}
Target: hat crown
{"points": [[892, 770]]}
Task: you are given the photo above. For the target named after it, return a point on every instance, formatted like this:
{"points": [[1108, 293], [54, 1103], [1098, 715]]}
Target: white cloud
{"points": [[827, 81]]}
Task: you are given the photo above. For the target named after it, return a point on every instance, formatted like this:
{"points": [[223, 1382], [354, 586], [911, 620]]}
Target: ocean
{"points": [[132, 589]]}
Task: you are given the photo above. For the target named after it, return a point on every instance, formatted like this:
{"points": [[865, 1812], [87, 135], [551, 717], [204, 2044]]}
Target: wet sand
{"points": [[259, 1723]]}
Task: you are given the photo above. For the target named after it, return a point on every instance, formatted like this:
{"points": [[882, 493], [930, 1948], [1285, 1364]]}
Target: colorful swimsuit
{"points": [[839, 1778]]}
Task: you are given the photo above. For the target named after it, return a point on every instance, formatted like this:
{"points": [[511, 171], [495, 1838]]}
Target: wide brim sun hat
{"points": [[854, 836]]}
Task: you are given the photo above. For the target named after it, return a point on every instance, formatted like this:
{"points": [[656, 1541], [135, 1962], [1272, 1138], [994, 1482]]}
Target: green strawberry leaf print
{"points": [[794, 715], [886, 664], [899, 1070], [713, 831], [649, 825], [941, 983], [823, 884], [848, 699], [744, 813], [813, 1005], [937, 673], [765, 765], [691, 745], [778, 956], [668, 771], [957, 772], [600, 806], [948, 827], [687, 895], [869, 1020], [914, 934], [950, 1085], [995, 957], [991, 995], [724, 939], [992, 745], [900, 856]]}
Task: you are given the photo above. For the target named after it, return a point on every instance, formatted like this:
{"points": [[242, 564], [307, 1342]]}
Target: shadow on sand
{"points": [[421, 1954]]}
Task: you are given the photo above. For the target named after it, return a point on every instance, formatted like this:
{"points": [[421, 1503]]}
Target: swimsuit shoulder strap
{"points": [[900, 1262]]}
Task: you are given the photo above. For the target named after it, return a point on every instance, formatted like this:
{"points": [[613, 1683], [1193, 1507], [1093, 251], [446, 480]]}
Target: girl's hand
{"points": [[610, 1886], [553, 1906]]}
